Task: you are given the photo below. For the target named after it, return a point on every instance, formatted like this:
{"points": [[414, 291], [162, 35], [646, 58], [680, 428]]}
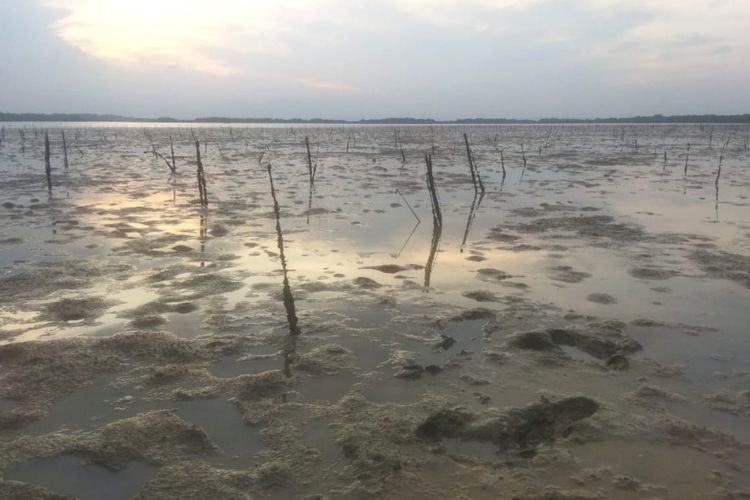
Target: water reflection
{"points": [[478, 197], [437, 223], [202, 232]]}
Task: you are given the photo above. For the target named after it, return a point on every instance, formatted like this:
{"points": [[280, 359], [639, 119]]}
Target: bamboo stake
{"points": [[65, 149], [47, 167]]}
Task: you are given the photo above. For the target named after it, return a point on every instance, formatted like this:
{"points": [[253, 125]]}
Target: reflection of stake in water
{"points": [[291, 312], [413, 230], [718, 176], [478, 197], [202, 231], [309, 202], [437, 224]]}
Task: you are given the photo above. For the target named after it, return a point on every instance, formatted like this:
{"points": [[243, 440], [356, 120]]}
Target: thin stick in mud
{"points": [[47, 167], [291, 311], [309, 161], [174, 161], [202, 192], [437, 224], [475, 177], [65, 150]]}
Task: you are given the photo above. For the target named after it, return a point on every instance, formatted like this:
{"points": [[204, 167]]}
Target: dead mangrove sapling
{"points": [[309, 160], [65, 150], [47, 167], [437, 223], [475, 177], [502, 163], [174, 161], [201, 176], [289, 305]]}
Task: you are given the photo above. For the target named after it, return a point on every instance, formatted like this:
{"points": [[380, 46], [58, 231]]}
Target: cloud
{"points": [[327, 85], [226, 37], [434, 53]]}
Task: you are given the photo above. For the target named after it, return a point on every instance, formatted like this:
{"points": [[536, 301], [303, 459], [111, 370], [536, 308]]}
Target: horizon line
{"points": [[107, 117]]}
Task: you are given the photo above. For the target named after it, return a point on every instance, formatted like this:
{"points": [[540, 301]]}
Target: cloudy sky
{"points": [[375, 58]]}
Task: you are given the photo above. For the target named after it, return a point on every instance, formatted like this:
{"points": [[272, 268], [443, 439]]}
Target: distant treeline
{"points": [[87, 117]]}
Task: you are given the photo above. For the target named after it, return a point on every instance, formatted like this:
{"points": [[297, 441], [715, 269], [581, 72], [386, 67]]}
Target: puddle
{"points": [[220, 419], [74, 476], [230, 367], [320, 435], [91, 407]]}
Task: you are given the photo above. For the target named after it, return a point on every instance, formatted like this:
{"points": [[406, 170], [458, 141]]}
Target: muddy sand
{"points": [[577, 331]]}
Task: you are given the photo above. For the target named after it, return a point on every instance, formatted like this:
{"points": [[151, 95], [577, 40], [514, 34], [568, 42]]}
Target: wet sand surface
{"points": [[577, 331]]}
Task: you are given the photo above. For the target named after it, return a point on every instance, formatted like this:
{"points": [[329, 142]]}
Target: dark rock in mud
{"points": [[409, 371], [76, 309], [367, 283], [534, 341], [498, 234], [476, 258], [518, 428], [184, 308], [618, 362], [602, 346], [433, 369], [395, 268], [490, 274], [446, 342], [472, 314], [567, 274], [724, 265], [219, 230], [481, 296], [145, 322], [145, 315], [593, 226], [601, 298], [647, 393], [10, 241], [652, 273], [182, 248]]}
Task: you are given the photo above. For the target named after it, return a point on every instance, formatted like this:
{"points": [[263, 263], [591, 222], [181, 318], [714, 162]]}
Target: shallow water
{"points": [[590, 229]]}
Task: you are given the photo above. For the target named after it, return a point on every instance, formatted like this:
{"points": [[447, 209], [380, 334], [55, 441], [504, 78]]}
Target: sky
{"points": [[352, 59]]}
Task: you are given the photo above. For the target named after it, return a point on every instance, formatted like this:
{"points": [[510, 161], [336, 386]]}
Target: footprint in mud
{"points": [[75, 476]]}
